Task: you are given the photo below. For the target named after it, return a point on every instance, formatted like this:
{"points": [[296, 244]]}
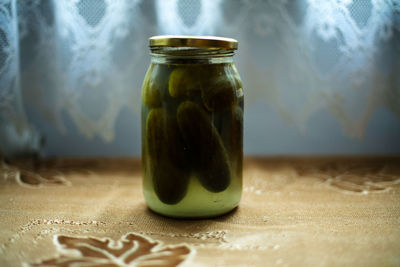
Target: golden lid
{"points": [[193, 41]]}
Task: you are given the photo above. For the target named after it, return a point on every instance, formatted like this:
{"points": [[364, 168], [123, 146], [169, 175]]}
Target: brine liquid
{"points": [[198, 202]]}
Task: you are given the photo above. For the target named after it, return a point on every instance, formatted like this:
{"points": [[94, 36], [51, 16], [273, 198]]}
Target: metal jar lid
{"points": [[193, 41]]}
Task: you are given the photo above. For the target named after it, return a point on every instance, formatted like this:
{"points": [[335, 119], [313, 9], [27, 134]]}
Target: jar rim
{"points": [[193, 41]]}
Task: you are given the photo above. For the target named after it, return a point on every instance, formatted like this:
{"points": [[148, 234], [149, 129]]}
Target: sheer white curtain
{"points": [[320, 76]]}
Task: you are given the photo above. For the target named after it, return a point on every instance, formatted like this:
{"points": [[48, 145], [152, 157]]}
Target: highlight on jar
{"points": [[192, 127]]}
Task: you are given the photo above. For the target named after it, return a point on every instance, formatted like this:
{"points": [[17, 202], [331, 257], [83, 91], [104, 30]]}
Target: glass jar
{"points": [[192, 127]]}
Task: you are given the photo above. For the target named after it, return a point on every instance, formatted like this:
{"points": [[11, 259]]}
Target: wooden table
{"points": [[294, 211]]}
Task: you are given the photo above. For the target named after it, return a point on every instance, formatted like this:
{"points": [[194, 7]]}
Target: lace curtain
{"points": [[320, 76]]}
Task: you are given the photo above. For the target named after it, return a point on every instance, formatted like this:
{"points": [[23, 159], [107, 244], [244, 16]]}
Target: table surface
{"points": [[322, 211]]}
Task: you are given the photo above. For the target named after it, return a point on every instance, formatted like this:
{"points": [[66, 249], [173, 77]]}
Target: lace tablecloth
{"points": [[294, 211]]}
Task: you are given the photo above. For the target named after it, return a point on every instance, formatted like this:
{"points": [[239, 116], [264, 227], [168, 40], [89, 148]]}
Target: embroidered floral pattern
{"points": [[355, 177], [32, 178], [130, 250]]}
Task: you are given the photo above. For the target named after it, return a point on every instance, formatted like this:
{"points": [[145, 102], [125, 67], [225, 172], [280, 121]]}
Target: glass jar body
{"points": [[192, 136]]}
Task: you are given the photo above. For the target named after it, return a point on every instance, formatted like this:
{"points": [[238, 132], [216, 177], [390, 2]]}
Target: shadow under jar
{"points": [[192, 127]]}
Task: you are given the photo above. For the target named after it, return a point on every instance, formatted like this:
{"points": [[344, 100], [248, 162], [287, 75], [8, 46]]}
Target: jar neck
{"points": [[190, 55]]}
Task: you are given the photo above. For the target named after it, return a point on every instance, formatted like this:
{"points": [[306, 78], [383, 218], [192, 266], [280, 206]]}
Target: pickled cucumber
{"points": [[237, 139], [210, 161], [151, 94], [236, 77], [154, 85], [230, 127], [181, 81], [168, 167], [218, 88]]}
